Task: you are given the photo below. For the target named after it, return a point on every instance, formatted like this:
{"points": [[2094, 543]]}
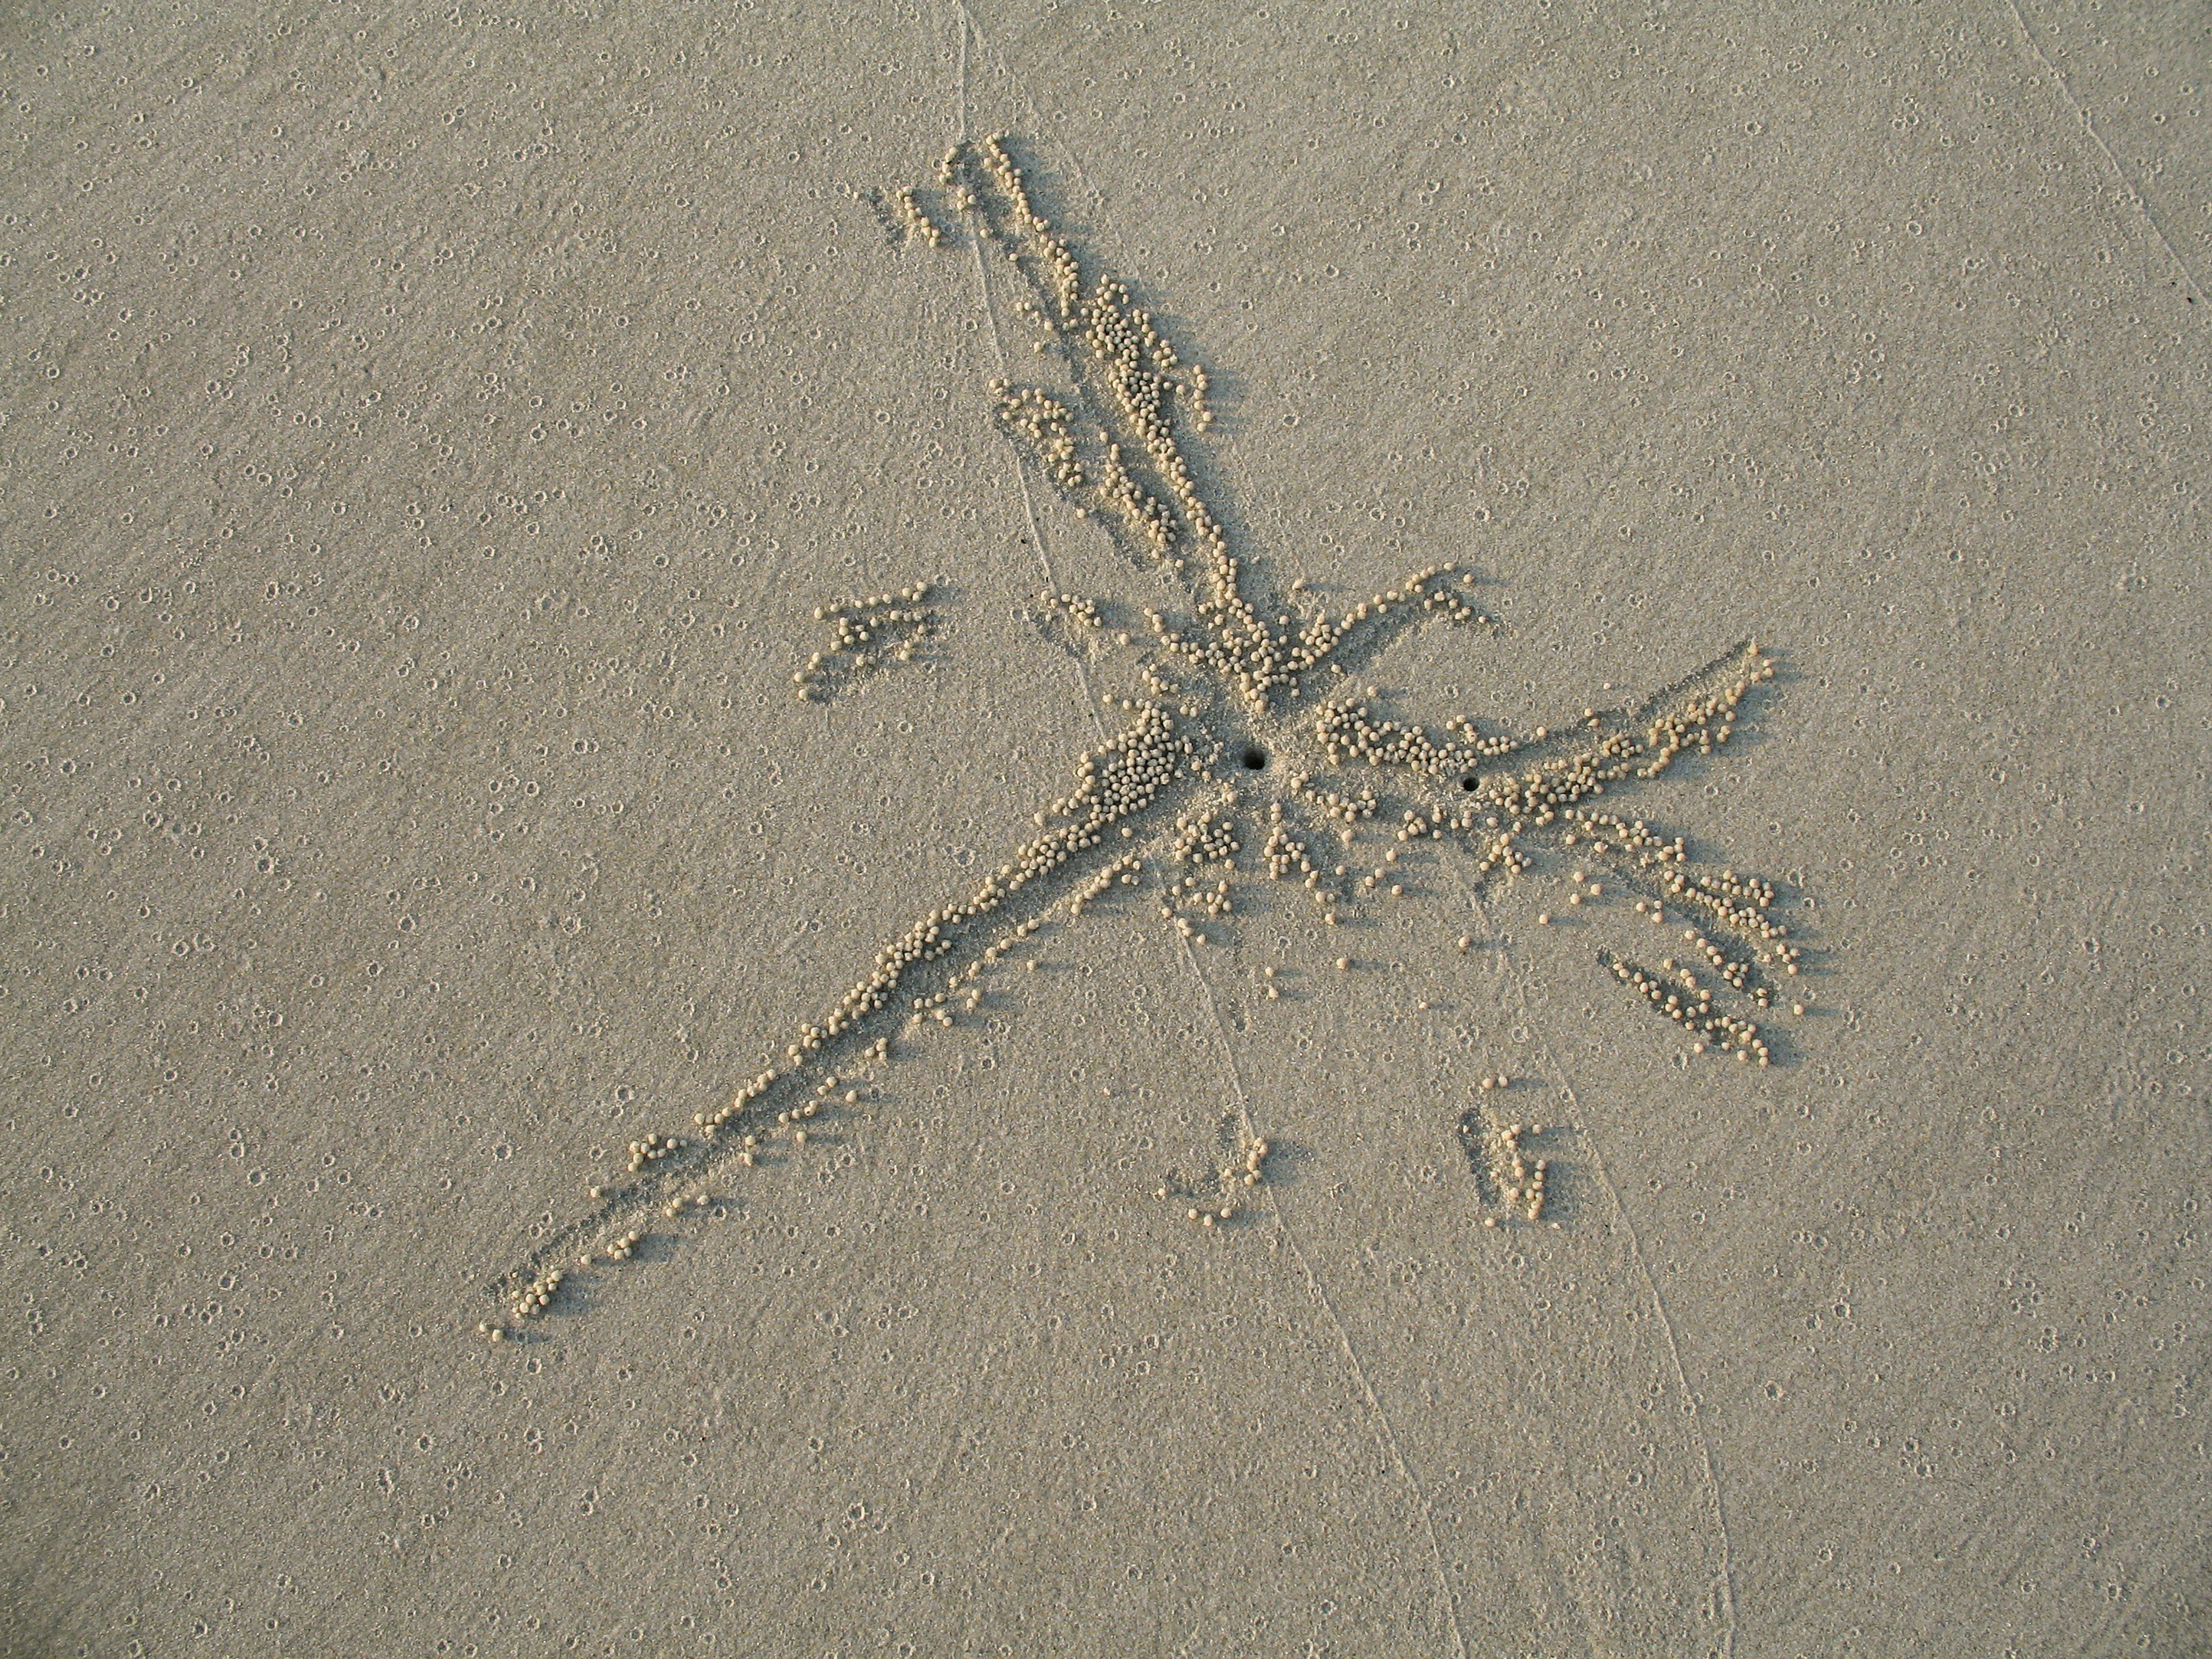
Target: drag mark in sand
{"points": [[1246, 745]]}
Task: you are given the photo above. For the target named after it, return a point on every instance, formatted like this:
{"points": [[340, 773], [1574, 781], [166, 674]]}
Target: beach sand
{"points": [[427, 445]]}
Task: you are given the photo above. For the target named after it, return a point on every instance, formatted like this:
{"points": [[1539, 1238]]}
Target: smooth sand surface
{"points": [[426, 444]]}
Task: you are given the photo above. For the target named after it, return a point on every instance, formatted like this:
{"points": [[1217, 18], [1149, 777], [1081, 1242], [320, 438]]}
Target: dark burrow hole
{"points": [[1256, 758], [1467, 783]]}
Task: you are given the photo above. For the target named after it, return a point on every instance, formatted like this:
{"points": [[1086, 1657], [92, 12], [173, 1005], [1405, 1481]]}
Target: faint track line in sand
{"points": [[1385, 1433], [1725, 1583], [1021, 482], [2134, 196], [1006, 366]]}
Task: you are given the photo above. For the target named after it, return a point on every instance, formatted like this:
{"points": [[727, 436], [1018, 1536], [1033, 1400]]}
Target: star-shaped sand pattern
{"points": [[1241, 744]]}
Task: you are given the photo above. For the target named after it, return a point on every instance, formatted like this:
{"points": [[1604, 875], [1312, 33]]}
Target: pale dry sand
{"points": [[425, 444]]}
